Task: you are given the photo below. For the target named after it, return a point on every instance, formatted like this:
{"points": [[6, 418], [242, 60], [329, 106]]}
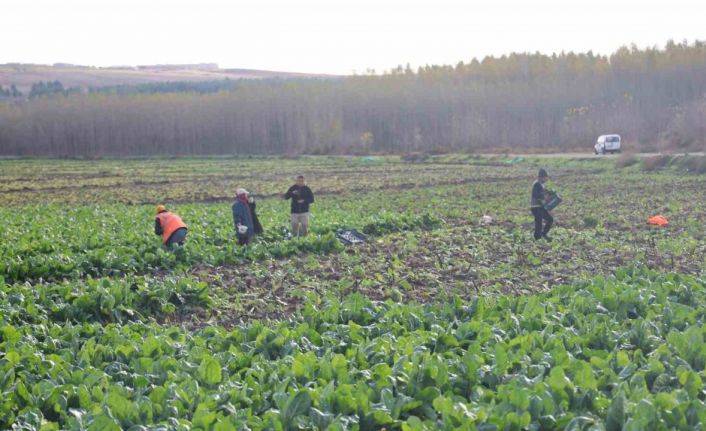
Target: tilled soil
{"points": [[425, 266]]}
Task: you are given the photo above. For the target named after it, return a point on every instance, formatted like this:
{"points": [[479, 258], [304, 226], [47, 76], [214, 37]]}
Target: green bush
{"points": [[692, 164], [654, 163], [590, 221], [626, 160], [415, 157]]}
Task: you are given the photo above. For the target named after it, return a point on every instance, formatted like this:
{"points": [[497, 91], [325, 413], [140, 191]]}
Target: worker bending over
{"points": [[170, 226]]}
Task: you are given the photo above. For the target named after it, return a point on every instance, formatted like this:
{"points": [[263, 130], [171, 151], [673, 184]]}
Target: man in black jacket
{"points": [[301, 196], [539, 212]]}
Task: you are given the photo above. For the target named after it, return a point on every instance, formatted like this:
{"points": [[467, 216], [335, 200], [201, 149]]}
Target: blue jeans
{"points": [[178, 237]]}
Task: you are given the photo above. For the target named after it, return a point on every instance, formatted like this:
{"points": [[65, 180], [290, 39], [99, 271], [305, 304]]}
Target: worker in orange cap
{"points": [[170, 226]]}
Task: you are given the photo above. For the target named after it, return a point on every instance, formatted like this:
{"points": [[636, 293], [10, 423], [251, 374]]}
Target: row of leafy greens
{"points": [[620, 352]]}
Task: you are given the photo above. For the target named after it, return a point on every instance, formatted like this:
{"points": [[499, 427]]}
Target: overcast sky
{"points": [[331, 36]]}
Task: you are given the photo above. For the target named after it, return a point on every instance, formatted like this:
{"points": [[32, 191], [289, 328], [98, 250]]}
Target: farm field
{"points": [[437, 322]]}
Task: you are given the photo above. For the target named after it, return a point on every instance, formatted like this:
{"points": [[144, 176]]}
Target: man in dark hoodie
{"points": [[301, 196], [542, 219]]}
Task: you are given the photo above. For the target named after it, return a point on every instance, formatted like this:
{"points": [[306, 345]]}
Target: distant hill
{"points": [[24, 75]]}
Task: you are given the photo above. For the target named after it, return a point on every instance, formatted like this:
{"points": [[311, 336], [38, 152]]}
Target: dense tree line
{"points": [[10, 91], [202, 87], [51, 88], [655, 98]]}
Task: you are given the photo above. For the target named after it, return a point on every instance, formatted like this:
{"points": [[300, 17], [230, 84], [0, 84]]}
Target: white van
{"points": [[607, 144]]}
